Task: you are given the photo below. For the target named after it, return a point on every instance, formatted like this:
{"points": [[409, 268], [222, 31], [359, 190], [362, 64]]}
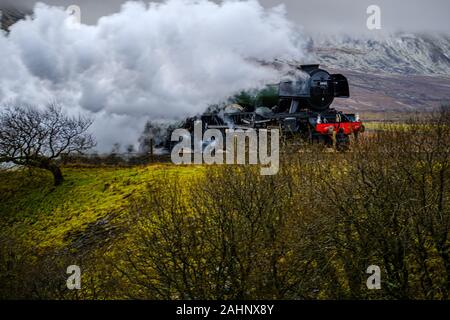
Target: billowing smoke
{"points": [[149, 61]]}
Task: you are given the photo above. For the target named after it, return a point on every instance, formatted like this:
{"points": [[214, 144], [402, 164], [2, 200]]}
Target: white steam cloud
{"points": [[157, 61]]}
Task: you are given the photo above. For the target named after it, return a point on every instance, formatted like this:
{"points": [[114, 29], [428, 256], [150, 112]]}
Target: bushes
{"points": [[394, 209], [229, 237], [309, 232]]}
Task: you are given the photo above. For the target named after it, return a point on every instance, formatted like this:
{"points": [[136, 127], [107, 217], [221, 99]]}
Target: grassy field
{"points": [[45, 216]]}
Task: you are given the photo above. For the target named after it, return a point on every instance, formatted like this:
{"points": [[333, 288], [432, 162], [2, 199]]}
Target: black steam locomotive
{"points": [[302, 109]]}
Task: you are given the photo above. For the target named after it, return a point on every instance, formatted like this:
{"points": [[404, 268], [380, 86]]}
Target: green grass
{"points": [[42, 215]]}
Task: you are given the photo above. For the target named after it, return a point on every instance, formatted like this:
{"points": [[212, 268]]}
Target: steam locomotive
{"points": [[302, 109]]}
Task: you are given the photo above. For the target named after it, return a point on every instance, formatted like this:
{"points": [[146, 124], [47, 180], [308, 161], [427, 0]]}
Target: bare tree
{"points": [[34, 138]]}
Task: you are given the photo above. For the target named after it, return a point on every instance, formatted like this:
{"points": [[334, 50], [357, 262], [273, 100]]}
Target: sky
{"points": [[322, 16]]}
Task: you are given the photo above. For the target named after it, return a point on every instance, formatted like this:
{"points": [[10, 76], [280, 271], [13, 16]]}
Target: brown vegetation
{"points": [[308, 232]]}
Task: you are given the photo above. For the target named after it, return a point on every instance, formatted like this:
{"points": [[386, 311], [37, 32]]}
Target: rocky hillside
{"points": [[403, 72], [9, 16], [405, 54]]}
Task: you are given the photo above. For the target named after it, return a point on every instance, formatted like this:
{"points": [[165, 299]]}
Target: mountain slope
{"points": [[9, 16], [402, 72], [404, 54]]}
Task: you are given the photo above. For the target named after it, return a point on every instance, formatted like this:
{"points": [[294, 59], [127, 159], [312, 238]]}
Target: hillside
{"points": [[402, 53], [9, 16], [85, 209], [379, 92], [396, 73]]}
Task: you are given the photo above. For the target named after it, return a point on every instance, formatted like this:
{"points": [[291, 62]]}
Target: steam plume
{"points": [[158, 61]]}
